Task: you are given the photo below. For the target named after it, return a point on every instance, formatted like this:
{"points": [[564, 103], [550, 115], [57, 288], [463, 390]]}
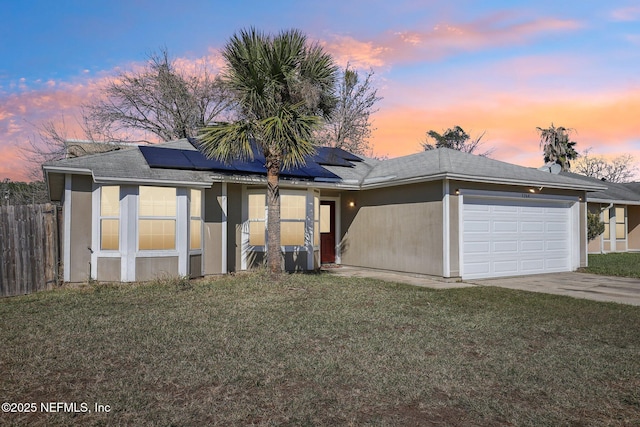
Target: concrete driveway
{"points": [[578, 285]]}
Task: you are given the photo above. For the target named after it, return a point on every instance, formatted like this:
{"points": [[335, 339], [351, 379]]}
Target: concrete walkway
{"points": [[578, 285], [392, 276]]}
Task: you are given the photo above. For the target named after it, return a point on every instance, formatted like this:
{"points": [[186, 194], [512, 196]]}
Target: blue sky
{"points": [[499, 67]]}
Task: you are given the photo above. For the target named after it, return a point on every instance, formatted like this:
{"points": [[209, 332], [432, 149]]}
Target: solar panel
{"points": [[200, 162], [165, 158], [330, 157], [169, 158]]}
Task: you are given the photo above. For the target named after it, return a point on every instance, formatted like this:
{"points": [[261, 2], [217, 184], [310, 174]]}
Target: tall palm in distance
{"points": [[557, 147], [282, 86]]}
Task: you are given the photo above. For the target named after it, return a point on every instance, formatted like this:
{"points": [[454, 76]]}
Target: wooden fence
{"points": [[29, 248]]}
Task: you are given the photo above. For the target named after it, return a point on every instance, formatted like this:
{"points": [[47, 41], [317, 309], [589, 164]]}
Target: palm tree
{"points": [[557, 147], [281, 85]]}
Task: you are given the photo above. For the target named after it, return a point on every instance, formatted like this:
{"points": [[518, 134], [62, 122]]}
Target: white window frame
{"points": [[108, 217], [308, 221], [198, 217], [157, 252]]}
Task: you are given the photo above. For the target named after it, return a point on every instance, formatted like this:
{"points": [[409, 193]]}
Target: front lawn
{"points": [[625, 264], [318, 350]]}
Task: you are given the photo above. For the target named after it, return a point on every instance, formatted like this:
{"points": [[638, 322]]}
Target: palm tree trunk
{"points": [[274, 256]]}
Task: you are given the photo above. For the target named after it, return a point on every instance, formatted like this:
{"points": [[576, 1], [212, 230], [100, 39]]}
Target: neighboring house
{"points": [[619, 208], [78, 148], [136, 213]]}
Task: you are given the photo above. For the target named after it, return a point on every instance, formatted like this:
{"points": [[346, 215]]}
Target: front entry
{"points": [[327, 232]]}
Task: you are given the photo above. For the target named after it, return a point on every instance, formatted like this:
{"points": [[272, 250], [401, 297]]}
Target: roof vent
{"points": [[552, 168]]}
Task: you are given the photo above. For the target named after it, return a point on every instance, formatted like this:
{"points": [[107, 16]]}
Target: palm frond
{"points": [[228, 141]]}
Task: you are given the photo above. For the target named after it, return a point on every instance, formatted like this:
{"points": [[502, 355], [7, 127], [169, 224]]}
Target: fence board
{"points": [[29, 248]]}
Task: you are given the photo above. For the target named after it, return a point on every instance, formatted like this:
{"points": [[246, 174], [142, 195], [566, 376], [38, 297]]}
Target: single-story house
{"points": [[619, 208], [135, 213]]}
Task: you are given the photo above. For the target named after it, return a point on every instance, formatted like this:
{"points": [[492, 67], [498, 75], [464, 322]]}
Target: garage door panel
{"points": [[477, 247], [532, 226], [506, 267], [505, 226], [531, 245], [532, 265], [556, 245], [478, 268], [506, 237], [505, 246], [478, 226]]}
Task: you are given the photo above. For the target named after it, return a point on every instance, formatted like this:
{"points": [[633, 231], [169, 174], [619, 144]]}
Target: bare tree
{"points": [[620, 169], [349, 126], [456, 139], [159, 100]]}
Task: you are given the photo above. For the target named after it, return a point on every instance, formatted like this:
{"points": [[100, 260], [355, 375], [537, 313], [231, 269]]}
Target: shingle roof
{"points": [[453, 164], [129, 165], [627, 192]]}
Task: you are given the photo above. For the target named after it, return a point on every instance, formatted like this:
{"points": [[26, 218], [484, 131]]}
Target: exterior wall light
{"points": [[352, 204]]}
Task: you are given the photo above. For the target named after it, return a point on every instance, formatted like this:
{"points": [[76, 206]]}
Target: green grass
{"points": [[626, 264], [319, 350]]}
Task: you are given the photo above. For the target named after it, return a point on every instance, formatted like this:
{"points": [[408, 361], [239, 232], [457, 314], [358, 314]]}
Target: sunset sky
{"points": [[498, 67]]}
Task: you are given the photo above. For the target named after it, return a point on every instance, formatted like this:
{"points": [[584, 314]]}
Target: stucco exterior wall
{"points": [[454, 235], [595, 245], [154, 267], [583, 232], [234, 227], [80, 232], [109, 269], [212, 241], [395, 228], [195, 266], [633, 224]]}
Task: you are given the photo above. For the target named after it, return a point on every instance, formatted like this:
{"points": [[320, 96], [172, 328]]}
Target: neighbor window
{"points": [[195, 225], [620, 223], [157, 218], [110, 218]]}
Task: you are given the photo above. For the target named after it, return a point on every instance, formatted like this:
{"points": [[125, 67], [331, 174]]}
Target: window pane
{"points": [[256, 206], [325, 219], [109, 234], [620, 215], [110, 201], [256, 233], [196, 203], [196, 234], [606, 231], [292, 233], [620, 234], [292, 207], [157, 234], [157, 201], [316, 233]]}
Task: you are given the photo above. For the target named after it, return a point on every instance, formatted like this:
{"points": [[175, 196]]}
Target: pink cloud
{"points": [[631, 13], [443, 40]]}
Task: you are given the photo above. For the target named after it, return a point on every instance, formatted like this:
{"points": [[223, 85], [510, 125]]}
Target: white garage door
{"points": [[515, 237]]}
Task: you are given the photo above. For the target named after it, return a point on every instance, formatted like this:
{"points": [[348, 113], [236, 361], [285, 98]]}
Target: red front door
{"points": [[327, 232]]}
